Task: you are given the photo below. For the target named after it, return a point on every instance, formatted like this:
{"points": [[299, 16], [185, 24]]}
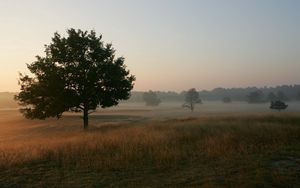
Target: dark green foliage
{"points": [[78, 73], [151, 98], [191, 98]]}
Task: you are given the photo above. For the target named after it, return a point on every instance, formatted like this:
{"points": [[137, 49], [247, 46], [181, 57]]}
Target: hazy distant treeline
{"points": [[285, 92]]}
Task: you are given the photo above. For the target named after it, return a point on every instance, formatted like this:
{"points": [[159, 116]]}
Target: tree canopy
{"points": [[192, 97], [78, 73]]}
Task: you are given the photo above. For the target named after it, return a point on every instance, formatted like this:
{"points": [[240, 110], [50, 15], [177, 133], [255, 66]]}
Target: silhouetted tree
{"points": [[151, 98], [192, 97], [78, 73], [278, 105], [256, 97]]}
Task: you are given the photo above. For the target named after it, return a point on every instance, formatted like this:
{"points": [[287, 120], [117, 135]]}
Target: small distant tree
{"points": [[151, 98], [256, 97], [192, 98], [278, 105], [226, 99], [78, 73]]}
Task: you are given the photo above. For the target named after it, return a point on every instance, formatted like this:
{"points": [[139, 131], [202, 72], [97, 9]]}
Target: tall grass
{"points": [[219, 145]]}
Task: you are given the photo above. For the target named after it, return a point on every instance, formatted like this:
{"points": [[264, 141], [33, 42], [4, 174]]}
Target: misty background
{"points": [[212, 101]]}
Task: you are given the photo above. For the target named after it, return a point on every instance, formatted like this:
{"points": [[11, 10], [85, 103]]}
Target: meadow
{"points": [[136, 146]]}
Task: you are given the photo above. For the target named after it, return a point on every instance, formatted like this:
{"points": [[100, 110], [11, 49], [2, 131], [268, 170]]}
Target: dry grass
{"points": [[212, 151]]}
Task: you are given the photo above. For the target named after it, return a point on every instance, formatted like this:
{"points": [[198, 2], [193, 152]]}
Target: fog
{"points": [[173, 107]]}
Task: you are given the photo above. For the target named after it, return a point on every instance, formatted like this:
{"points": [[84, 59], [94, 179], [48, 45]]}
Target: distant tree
{"points": [[226, 99], [278, 105], [192, 98], [256, 97], [151, 98], [78, 73]]}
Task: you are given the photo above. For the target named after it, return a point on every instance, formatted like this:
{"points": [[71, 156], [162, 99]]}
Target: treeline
{"points": [[264, 94], [249, 94]]}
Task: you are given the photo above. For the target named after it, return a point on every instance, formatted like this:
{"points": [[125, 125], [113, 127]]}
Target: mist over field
{"points": [[171, 105], [150, 93], [221, 142], [153, 140], [132, 145]]}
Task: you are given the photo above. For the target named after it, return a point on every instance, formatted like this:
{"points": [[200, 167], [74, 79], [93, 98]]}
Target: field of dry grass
{"points": [[229, 150]]}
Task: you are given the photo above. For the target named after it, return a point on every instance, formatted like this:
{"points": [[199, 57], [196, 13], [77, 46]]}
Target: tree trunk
{"points": [[85, 118]]}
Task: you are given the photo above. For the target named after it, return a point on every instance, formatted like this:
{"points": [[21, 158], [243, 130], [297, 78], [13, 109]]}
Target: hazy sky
{"points": [[167, 44]]}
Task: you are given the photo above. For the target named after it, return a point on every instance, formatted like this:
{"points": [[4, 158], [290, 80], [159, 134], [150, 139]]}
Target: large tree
{"points": [[78, 73]]}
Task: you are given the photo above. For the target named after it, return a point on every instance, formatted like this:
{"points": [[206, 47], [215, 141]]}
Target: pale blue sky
{"points": [[167, 44]]}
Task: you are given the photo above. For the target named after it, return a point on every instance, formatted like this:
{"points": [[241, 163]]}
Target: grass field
{"points": [[143, 148]]}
